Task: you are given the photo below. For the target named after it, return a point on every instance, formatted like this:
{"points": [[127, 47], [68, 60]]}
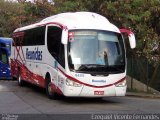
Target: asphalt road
{"points": [[33, 100]]}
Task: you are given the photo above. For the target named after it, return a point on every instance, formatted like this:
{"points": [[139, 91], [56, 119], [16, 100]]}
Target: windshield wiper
{"points": [[83, 67], [95, 65], [100, 68], [90, 66], [116, 68]]}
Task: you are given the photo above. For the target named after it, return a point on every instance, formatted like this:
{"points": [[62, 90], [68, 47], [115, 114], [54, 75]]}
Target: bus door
{"points": [[4, 65], [56, 51]]}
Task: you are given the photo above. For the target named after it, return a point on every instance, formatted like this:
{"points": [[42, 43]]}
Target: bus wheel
{"points": [[20, 81], [50, 93]]}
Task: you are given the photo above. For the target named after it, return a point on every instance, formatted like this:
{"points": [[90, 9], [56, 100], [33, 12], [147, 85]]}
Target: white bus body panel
{"points": [[90, 87]]}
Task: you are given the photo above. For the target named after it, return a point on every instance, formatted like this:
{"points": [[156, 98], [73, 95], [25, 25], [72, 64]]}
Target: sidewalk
{"points": [[144, 95]]}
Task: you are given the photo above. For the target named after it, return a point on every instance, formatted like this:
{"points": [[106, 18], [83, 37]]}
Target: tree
{"points": [[10, 16]]}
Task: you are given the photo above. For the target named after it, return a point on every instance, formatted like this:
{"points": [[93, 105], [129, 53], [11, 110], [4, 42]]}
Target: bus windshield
{"points": [[96, 51]]}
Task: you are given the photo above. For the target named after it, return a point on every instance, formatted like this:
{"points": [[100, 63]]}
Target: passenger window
{"points": [[3, 56], [16, 41], [35, 36], [55, 47], [2, 45]]}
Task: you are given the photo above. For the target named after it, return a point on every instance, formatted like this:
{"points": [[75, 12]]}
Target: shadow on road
{"points": [[12, 86], [74, 100]]}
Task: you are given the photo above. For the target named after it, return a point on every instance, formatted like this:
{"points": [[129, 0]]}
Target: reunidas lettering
{"points": [[34, 55]]}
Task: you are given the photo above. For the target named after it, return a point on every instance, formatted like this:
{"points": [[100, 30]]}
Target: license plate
{"points": [[98, 92]]}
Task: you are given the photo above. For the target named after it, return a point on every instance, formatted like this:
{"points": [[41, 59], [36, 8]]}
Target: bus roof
{"points": [[76, 20]]}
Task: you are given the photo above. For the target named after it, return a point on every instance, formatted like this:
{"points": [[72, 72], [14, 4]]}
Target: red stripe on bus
{"points": [[56, 89], [94, 86], [126, 31], [29, 76]]}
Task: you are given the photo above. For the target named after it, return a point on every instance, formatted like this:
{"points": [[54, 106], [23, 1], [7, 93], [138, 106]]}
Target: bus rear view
{"points": [[5, 51]]}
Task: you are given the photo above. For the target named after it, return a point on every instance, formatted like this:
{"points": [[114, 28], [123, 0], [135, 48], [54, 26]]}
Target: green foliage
{"points": [[69, 6], [37, 11], [9, 17]]}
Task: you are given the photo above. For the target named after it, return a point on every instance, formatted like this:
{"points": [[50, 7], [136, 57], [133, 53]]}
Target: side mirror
{"points": [[64, 38], [131, 37]]}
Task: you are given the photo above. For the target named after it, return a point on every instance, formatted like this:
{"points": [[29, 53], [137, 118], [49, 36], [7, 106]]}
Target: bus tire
{"points": [[50, 93], [20, 81]]}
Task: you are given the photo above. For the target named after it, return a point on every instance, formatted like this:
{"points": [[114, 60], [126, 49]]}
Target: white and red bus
{"points": [[74, 54]]}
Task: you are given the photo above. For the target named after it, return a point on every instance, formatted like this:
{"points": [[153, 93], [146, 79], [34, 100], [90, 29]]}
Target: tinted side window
{"points": [[28, 37], [55, 47], [2, 45], [16, 41], [3, 56], [40, 35], [35, 36]]}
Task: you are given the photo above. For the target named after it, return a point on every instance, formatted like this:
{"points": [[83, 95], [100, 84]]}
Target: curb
{"points": [[144, 95]]}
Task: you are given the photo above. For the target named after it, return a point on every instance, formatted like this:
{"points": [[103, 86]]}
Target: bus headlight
{"points": [[121, 84], [72, 83]]}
